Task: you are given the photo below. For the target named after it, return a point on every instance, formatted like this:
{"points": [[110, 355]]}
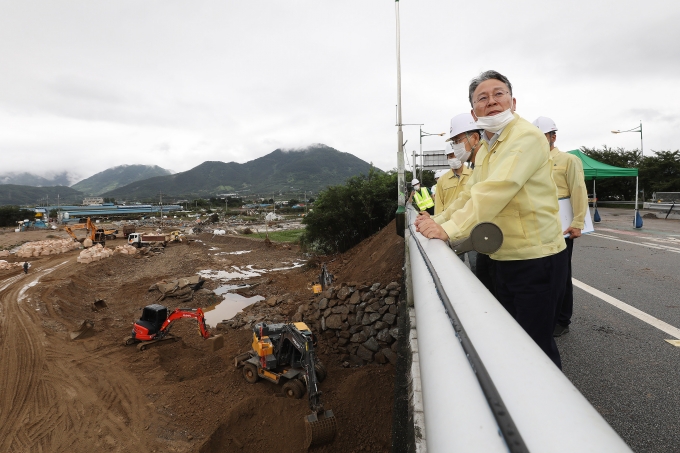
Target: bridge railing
{"points": [[485, 385]]}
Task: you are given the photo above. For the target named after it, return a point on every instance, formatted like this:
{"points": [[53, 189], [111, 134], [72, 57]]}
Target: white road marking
{"points": [[643, 244], [641, 315]]}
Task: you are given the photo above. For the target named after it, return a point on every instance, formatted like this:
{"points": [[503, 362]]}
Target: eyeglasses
{"points": [[497, 95]]}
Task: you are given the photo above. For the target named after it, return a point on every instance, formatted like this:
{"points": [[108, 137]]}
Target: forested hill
{"points": [[119, 176], [310, 169]]}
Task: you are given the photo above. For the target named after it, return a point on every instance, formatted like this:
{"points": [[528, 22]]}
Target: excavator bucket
{"points": [[83, 331], [320, 429]]}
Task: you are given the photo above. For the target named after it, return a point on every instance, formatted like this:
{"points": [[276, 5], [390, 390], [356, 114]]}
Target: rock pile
{"points": [[4, 265], [94, 253], [125, 249], [181, 288], [47, 247], [4, 253], [359, 322]]}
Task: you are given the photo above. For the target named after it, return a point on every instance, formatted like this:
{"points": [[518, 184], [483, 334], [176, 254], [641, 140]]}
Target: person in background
{"points": [[461, 146], [25, 267], [433, 190], [512, 186], [421, 196], [567, 172]]}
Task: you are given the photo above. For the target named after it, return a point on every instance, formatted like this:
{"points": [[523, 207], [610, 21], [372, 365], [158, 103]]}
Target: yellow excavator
{"points": [[96, 235], [284, 353]]}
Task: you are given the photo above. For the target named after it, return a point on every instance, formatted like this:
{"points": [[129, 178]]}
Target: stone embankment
{"points": [[47, 247], [357, 323]]}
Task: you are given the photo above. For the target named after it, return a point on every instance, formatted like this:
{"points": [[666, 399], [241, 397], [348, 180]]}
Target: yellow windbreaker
{"points": [[568, 176], [511, 186], [449, 186]]}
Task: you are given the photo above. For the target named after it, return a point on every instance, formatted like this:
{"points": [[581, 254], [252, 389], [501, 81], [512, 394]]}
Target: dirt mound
{"points": [[376, 259], [361, 400]]}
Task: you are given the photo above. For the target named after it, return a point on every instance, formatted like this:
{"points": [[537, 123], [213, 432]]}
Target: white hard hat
{"points": [[439, 173], [414, 182], [545, 124], [462, 123]]}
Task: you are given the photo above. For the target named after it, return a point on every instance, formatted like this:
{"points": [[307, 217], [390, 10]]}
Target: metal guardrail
{"points": [[459, 339]]}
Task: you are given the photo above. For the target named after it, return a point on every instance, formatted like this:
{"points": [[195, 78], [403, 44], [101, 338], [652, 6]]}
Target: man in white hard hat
{"points": [[567, 172], [422, 198], [512, 187], [461, 146]]}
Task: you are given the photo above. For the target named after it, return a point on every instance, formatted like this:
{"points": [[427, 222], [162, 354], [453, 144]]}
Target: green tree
{"points": [[10, 215], [345, 215], [661, 172]]}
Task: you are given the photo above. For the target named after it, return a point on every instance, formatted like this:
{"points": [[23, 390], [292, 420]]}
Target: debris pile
{"points": [[4, 253], [4, 265], [47, 247], [181, 288], [94, 253], [125, 249]]}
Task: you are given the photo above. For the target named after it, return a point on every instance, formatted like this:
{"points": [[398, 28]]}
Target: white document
{"points": [[567, 215]]}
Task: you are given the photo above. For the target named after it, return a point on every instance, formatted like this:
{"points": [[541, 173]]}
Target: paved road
{"points": [[622, 364]]}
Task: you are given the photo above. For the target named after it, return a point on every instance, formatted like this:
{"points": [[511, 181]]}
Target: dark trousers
{"points": [[567, 305], [531, 290], [484, 270]]}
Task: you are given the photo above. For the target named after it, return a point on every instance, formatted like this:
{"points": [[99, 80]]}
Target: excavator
{"points": [[155, 323], [285, 353], [96, 235]]}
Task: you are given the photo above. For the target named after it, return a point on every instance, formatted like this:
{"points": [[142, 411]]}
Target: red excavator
{"points": [[155, 324]]}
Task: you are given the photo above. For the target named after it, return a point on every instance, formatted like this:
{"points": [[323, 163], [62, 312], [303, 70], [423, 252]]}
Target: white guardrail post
{"points": [[459, 372]]}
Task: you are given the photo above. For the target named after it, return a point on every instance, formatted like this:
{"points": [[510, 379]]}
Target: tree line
{"points": [[10, 215], [659, 172]]}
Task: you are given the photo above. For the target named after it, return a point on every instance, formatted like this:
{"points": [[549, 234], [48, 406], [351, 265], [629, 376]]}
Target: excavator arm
{"points": [[71, 233], [179, 313], [304, 344]]}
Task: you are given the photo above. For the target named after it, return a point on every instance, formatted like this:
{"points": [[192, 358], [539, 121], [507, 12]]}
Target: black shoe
{"points": [[560, 330]]}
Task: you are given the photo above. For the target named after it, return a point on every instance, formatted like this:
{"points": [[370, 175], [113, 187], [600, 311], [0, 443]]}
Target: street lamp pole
{"points": [[637, 223], [401, 194]]}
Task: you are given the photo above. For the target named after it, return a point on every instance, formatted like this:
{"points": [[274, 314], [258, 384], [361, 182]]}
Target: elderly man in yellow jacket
{"points": [[569, 178], [461, 146], [512, 186]]}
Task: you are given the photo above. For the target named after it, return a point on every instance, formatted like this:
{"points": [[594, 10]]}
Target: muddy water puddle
{"points": [[230, 305]]}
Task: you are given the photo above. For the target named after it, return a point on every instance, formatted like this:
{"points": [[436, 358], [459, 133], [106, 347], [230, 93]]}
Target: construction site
{"points": [[84, 363]]}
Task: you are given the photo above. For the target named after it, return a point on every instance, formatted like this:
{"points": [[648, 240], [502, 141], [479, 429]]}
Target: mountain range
{"points": [[282, 171], [310, 169], [116, 177]]}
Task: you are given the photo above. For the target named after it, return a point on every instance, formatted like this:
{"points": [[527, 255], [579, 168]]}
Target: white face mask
{"points": [[496, 122], [460, 152], [416, 187], [455, 163]]}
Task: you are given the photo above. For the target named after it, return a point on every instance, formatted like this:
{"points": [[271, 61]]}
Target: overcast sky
{"points": [[87, 85]]}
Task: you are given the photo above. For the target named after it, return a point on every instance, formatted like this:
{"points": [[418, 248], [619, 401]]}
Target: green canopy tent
{"points": [[594, 170]]}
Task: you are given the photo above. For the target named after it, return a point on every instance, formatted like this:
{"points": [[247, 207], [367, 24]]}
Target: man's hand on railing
{"points": [[429, 228]]}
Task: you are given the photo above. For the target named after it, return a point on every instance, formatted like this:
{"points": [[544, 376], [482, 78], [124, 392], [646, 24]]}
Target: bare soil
{"points": [[60, 395]]}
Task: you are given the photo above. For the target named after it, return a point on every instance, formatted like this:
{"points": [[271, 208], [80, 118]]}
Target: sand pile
{"points": [[47, 247]]}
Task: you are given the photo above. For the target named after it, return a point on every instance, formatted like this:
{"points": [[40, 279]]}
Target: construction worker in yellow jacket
{"points": [[461, 146], [569, 178], [512, 186]]}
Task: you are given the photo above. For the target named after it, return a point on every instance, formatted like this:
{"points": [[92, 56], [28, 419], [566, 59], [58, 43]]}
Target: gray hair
{"points": [[487, 75]]}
